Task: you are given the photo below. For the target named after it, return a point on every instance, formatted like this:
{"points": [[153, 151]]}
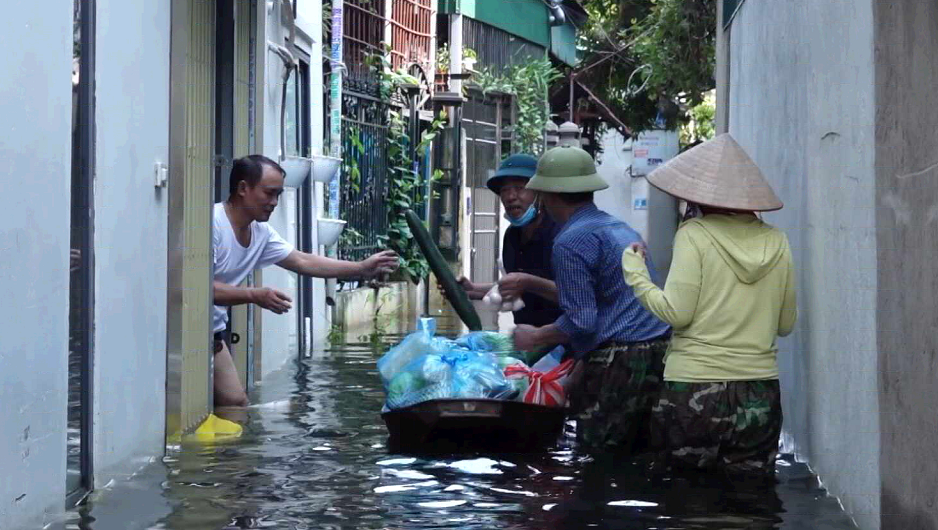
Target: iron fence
{"points": [[363, 198]]}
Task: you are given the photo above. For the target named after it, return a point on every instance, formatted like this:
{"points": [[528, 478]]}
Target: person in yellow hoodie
{"points": [[729, 294]]}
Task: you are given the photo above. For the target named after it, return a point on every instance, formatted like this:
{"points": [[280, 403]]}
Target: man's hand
{"points": [[513, 285], [380, 264], [473, 291], [272, 300], [526, 339]]}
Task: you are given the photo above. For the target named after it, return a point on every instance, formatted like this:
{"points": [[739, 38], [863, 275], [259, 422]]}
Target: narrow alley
{"points": [[650, 235]]}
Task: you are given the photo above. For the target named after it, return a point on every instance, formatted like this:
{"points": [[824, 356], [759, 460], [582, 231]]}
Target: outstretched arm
{"points": [[677, 303], [323, 267]]}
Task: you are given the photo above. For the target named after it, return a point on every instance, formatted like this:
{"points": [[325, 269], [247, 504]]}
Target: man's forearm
{"points": [[480, 290], [542, 287], [549, 336], [323, 267], [230, 295]]}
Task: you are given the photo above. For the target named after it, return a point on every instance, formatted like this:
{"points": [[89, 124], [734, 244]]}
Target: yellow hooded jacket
{"points": [[729, 294]]}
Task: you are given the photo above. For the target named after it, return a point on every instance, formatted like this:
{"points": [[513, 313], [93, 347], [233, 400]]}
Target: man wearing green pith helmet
{"points": [[619, 345]]}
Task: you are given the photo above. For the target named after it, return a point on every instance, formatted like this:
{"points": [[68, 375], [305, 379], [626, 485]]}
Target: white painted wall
{"points": [[35, 146], [279, 332], [132, 123], [658, 223], [309, 21], [613, 166], [802, 104]]}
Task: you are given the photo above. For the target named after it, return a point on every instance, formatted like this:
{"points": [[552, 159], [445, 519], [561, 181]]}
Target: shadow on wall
{"points": [[894, 515]]}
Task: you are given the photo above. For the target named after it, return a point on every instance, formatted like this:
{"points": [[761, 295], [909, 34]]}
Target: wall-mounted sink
{"points": [[297, 169], [324, 168], [329, 231]]}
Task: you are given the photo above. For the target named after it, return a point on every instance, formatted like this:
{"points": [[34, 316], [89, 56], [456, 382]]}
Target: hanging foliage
{"points": [[529, 84], [407, 186], [649, 59]]}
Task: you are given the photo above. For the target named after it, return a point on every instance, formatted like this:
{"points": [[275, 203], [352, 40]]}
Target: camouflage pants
{"points": [[731, 425], [612, 399]]}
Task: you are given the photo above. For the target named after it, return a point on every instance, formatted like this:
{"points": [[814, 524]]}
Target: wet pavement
{"points": [[314, 456]]}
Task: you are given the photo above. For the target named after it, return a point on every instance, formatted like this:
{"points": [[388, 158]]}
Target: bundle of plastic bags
{"points": [[425, 367], [478, 365]]}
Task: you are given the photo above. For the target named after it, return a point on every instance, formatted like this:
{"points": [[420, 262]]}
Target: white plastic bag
{"points": [[493, 298]]}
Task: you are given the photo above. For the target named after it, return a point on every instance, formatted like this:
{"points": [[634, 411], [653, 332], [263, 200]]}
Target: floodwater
{"points": [[314, 456]]}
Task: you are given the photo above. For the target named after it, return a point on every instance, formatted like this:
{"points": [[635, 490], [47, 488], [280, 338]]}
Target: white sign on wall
{"points": [[652, 149]]}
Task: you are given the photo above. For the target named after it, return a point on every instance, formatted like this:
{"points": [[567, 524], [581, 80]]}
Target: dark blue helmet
{"points": [[515, 166]]}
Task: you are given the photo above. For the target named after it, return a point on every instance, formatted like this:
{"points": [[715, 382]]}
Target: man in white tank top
{"points": [[243, 241]]}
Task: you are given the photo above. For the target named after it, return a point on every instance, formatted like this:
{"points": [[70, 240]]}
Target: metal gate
{"points": [[483, 122]]}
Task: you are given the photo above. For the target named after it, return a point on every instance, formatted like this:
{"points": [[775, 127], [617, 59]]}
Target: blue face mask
{"points": [[525, 218]]}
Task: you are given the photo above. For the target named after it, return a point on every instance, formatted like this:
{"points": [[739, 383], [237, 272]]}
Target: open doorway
{"points": [[81, 280]]}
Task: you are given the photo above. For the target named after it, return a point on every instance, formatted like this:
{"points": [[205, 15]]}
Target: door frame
{"points": [[86, 151]]}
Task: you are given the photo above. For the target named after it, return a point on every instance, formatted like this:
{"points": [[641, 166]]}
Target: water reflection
{"points": [[314, 456]]}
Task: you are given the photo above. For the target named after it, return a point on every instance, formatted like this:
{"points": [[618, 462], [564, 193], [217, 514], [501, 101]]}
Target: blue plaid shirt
{"points": [[597, 304]]}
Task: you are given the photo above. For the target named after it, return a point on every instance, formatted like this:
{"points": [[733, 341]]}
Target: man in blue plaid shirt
{"points": [[618, 344]]}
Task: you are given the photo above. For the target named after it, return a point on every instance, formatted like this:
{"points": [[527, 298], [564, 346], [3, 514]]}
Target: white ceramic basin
{"points": [[297, 169], [324, 167], [329, 231]]}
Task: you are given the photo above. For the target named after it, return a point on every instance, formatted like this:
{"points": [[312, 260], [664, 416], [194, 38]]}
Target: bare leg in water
{"points": [[230, 398]]}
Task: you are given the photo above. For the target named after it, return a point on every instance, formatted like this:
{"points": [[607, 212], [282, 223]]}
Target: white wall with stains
{"points": [[132, 135], [309, 21], [35, 147], [657, 223], [280, 338], [801, 102]]}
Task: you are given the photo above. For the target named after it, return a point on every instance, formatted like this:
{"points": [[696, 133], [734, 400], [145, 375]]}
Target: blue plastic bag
{"points": [[413, 346], [487, 341], [455, 374]]}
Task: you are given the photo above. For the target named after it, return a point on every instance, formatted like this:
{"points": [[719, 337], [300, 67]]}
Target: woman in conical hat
{"points": [[729, 294]]}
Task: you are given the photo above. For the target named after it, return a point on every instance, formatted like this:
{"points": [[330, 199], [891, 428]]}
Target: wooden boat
{"points": [[457, 425]]}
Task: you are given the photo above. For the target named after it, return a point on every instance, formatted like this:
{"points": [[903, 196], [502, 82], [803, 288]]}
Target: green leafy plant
{"points": [[648, 59], [379, 324], [700, 123], [336, 336], [444, 57], [350, 161], [406, 184], [529, 84]]}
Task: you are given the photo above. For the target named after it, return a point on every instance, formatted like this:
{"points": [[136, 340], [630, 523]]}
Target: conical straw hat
{"points": [[717, 173]]}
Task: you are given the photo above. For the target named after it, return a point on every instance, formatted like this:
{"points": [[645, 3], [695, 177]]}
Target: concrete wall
{"points": [[309, 21], [132, 123], [396, 305], [279, 332], [658, 223], [35, 146], [801, 103], [613, 166], [906, 165]]}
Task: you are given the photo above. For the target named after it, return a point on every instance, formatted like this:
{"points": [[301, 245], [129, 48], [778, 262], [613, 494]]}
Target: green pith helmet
{"points": [[566, 169], [520, 166]]}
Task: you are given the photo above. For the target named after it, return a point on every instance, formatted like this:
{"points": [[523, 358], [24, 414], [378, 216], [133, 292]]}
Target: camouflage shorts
{"points": [[732, 425], [612, 400]]}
